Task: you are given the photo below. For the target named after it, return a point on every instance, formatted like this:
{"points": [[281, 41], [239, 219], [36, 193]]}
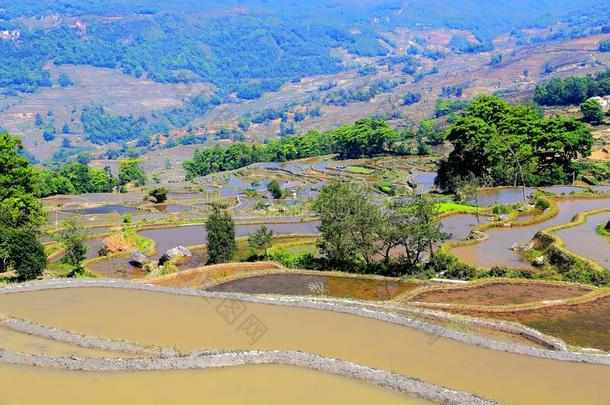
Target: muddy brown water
{"points": [[458, 226], [502, 294], [320, 285], [24, 343], [496, 249], [584, 240], [236, 385], [194, 322]]}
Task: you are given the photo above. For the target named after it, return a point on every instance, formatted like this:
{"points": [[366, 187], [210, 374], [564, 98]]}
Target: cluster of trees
{"points": [[366, 137], [344, 97], [411, 98], [604, 46], [21, 213], [101, 128], [512, 145], [78, 178], [461, 44], [355, 234], [573, 90], [231, 51], [47, 125], [453, 91], [445, 107], [75, 178]]}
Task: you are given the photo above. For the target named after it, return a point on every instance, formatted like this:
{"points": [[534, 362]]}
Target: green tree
{"points": [[414, 226], [592, 111], [73, 239], [18, 185], [260, 240], [21, 251], [130, 171], [100, 180], [366, 137], [348, 224], [468, 191], [64, 80], [510, 144], [220, 229], [159, 194], [274, 188]]}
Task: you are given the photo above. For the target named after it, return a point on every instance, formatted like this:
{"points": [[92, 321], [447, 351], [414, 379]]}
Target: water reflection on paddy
{"points": [[496, 249], [584, 240]]}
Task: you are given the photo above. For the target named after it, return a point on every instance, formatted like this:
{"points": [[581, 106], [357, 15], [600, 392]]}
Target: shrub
{"points": [[449, 266], [159, 194]]}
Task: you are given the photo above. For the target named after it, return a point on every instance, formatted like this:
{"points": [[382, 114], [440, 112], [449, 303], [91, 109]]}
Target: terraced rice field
{"points": [[318, 285], [235, 385], [188, 323], [584, 240], [584, 325], [204, 276], [498, 293], [496, 251]]}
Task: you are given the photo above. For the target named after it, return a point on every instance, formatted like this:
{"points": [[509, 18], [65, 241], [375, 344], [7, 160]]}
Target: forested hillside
{"points": [[247, 46]]}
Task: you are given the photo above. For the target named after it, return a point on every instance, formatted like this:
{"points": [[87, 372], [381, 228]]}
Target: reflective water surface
{"points": [[191, 322]]}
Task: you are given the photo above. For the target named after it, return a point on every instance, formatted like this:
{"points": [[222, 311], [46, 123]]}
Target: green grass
{"points": [[601, 230], [145, 245], [360, 169], [298, 249], [446, 207]]}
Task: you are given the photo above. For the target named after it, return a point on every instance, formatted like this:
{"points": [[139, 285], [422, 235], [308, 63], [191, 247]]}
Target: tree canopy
{"points": [[366, 137], [573, 90], [221, 243], [18, 185], [512, 145]]}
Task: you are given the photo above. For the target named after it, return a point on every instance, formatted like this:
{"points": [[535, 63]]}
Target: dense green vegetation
{"points": [[231, 51], [506, 145], [221, 242], [573, 90], [361, 94], [231, 43], [75, 178], [366, 137], [592, 111], [445, 107], [354, 231], [131, 171], [21, 214]]}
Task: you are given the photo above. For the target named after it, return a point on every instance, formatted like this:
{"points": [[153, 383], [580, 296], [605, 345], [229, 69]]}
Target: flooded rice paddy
{"points": [[584, 240], [584, 325], [235, 385], [194, 322], [24, 343], [193, 235], [200, 278], [498, 293], [319, 285], [496, 249]]}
